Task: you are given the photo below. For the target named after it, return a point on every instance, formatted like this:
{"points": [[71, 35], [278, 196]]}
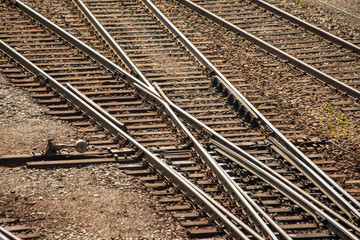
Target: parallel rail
{"points": [[304, 164], [83, 103], [340, 85], [152, 95], [308, 26]]}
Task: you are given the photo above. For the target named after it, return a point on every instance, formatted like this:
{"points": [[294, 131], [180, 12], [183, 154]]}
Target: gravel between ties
{"points": [[325, 17], [95, 202], [88, 203], [300, 103], [24, 126]]}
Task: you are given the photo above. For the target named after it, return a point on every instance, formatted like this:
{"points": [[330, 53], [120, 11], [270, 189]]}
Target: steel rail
{"points": [[243, 103], [268, 47], [293, 192], [328, 186], [115, 68], [220, 139], [155, 99], [6, 235], [3, 237], [211, 163], [239, 194], [140, 84], [133, 81], [232, 186], [308, 26], [96, 106], [227, 181], [175, 177], [60, 89], [76, 42], [338, 9], [316, 212], [113, 44], [285, 181]]}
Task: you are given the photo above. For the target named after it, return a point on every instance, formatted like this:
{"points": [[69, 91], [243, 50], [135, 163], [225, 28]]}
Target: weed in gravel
{"points": [[334, 124]]}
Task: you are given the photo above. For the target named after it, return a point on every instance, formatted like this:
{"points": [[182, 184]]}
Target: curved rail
{"points": [[243, 102], [77, 43], [237, 192], [281, 184], [120, 52], [202, 59], [316, 212], [149, 92], [105, 121], [294, 61], [192, 49], [303, 163], [174, 176], [79, 99]]}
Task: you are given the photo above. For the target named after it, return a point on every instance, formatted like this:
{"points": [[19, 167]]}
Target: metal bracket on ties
{"points": [[205, 137], [305, 215], [134, 73], [123, 141], [118, 74], [216, 82], [41, 79], [168, 162], [138, 155], [176, 188], [44, 81], [209, 72], [115, 156], [52, 149]]}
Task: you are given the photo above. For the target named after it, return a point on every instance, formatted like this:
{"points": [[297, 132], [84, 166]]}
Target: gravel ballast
{"points": [[99, 202], [94, 202]]}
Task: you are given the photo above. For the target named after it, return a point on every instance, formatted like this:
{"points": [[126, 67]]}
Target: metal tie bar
{"points": [[175, 177]]}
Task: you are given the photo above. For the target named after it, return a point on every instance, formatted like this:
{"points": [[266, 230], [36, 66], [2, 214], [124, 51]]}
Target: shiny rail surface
{"points": [[106, 121], [175, 149], [6, 235], [276, 36], [299, 159]]}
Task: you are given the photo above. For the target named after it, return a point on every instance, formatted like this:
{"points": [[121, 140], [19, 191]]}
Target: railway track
{"points": [[323, 10], [305, 46], [12, 229], [189, 88]]}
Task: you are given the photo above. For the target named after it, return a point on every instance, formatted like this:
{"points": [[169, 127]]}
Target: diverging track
{"points": [[251, 199], [303, 45]]}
